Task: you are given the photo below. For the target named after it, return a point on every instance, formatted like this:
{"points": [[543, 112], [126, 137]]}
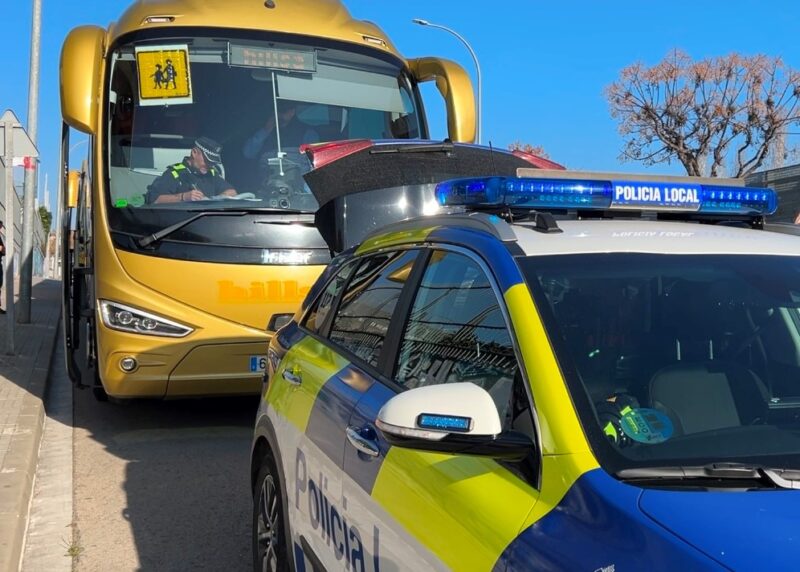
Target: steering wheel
{"points": [[282, 176], [293, 200], [287, 190], [290, 161]]}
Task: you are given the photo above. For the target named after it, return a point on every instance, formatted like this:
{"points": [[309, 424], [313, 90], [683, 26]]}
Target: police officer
{"points": [[195, 178]]}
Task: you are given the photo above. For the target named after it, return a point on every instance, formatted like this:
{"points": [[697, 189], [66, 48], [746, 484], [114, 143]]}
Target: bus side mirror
{"points": [[456, 89], [80, 73], [73, 180]]}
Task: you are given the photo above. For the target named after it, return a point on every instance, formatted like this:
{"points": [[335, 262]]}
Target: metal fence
{"points": [[39, 238], [786, 182]]}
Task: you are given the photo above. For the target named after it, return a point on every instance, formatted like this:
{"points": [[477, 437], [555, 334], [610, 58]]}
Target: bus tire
{"points": [[98, 390], [100, 393]]}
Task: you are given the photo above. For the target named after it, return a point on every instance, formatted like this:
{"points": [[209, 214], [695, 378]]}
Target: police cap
{"points": [[210, 149]]}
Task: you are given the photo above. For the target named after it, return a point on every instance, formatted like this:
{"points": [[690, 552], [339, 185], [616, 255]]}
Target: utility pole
{"points": [[29, 194], [10, 199], [57, 223], [16, 145], [59, 250], [48, 208]]}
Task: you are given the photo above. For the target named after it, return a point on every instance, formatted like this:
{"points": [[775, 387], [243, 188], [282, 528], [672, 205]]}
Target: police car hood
{"points": [[737, 529]]}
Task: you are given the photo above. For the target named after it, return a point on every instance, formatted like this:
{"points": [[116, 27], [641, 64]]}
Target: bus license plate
{"points": [[258, 363]]}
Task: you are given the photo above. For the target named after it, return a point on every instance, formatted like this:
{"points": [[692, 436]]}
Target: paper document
{"points": [[239, 197]]}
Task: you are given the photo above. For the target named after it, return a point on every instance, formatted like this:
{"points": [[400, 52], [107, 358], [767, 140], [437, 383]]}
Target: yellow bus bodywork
{"points": [[227, 305], [81, 56]]}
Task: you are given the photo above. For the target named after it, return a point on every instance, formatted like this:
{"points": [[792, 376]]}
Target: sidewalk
{"points": [[22, 385]]}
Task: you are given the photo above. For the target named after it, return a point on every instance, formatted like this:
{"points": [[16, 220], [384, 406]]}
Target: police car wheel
{"points": [[269, 531]]}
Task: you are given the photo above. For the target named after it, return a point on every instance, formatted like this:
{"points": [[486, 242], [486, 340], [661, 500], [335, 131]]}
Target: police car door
{"points": [[417, 510], [305, 413], [355, 337]]}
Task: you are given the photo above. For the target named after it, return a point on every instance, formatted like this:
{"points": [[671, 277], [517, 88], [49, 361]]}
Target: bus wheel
{"points": [[100, 393], [97, 389]]}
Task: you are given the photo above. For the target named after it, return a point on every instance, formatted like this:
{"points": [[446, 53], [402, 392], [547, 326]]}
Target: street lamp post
{"points": [[73, 147], [422, 22], [31, 173]]}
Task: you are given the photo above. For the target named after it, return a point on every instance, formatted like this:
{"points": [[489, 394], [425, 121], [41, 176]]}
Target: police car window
{"points": [[315, 318], [362, 318], [687, 357], [456, 332]]}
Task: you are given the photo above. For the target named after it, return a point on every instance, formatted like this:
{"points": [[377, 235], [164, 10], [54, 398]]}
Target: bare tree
{"points": [[537, 150], [727, 110]]}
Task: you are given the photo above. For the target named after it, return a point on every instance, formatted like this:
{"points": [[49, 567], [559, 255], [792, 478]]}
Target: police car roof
{"points": [[600, 236]]}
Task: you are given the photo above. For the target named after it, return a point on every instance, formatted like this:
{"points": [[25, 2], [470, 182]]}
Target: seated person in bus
{"points": [[196, 178], [263, 144]]}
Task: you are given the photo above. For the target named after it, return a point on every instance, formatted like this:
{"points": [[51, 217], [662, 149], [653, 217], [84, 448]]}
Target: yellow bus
{"points": [[172, 287]]}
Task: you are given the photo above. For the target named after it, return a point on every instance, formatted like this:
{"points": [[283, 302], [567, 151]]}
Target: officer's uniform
{"points": [[182, 177]]}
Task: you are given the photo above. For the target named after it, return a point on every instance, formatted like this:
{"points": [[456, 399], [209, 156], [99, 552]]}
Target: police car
{"points": [[567, 372]]}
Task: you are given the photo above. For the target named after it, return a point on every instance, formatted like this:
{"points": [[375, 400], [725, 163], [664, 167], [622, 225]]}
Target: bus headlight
{"points": [[126, 319]]}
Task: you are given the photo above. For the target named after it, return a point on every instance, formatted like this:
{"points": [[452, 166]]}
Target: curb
{"points": [[22, 458]]}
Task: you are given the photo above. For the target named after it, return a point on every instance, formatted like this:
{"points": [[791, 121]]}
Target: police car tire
{"points": [[268, 470]]}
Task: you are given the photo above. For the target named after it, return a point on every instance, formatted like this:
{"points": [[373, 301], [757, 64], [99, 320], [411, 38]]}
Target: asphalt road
{"points": [[162, 485]]}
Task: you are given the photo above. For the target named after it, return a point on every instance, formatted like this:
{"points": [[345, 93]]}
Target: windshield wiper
{"points": [[150, 239], [443, 147], [784, 478]]}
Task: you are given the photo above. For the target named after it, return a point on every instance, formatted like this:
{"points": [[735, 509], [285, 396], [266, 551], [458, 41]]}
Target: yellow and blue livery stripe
{"points": [[335, 402], [425, 492], [394, 239], [319, 363]]}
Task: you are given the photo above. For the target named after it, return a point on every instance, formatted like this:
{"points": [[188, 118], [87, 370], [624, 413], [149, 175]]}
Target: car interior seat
{"points": [[688, 326], [703, 396]]}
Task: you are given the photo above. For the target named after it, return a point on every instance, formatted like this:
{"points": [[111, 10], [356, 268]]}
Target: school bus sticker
{"points": [[164, 76]]}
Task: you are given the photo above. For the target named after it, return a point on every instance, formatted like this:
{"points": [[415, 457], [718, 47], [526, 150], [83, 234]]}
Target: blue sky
{"points": [[544, 64]]}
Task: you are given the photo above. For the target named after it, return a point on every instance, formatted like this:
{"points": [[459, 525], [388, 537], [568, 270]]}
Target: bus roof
{"points": [[319, 18]]}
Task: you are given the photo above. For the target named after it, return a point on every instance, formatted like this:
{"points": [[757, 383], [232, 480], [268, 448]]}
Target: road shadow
{"points": [[183, 470], [27, 367]]}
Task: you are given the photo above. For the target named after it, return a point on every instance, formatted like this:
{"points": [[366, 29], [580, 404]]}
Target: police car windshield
{"points": [[217, 122], [678, 359]]}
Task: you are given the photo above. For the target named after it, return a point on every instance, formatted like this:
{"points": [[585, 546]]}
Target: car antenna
{"points": [[491, 155], [506, 212]]}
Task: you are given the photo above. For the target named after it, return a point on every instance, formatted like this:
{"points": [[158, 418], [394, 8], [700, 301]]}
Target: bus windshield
{"points": [[211, 122]]}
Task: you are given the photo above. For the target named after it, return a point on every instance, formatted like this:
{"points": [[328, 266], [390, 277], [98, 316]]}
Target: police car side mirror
{"points": [[454, 418]]}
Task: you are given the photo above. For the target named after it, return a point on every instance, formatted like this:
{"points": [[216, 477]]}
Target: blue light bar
{"points": [[590, 194], [444, 422]]}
